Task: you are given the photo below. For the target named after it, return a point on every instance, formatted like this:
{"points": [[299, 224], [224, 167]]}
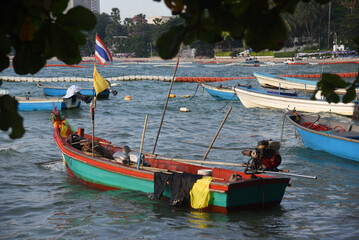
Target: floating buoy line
{"points": [[342, 75], [121, 78], [158, 78]]}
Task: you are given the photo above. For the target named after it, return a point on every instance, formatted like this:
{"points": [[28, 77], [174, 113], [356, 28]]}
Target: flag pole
{"points": [[92, 109], [99, 83]]}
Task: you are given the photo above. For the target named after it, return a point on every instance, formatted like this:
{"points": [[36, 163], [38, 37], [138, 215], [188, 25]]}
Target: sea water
{"points": [[40, 201]]}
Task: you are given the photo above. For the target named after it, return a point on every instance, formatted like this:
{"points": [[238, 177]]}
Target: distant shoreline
{"points": [[229, 59]]}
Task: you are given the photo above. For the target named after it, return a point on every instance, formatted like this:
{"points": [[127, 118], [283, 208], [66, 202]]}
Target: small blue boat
{"points": [[337, 138], [46, 104], [219, 92], [61, 91]]}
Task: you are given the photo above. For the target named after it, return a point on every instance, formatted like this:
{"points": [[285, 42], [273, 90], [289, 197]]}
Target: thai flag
{"points": [[102, 54]]}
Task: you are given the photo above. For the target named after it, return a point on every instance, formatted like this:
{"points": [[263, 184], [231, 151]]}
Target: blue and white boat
{"points": [[61, 91], [46, 104], [337, 138], [226, 93], [251, 98], [219, 92], [274, 81]]}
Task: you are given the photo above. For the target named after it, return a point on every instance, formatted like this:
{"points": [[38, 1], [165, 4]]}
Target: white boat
{"points": [[275, 81], [251, 98]]}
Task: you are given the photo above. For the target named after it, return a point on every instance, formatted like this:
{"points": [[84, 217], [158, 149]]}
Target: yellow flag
{"points": [[99, 83]]}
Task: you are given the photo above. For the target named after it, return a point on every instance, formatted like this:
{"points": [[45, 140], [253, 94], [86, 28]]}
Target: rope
{"points": [[228, 102], [195, 91]]}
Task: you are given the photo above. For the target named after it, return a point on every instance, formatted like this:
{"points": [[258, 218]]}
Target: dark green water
{"points": [[42, 202]]}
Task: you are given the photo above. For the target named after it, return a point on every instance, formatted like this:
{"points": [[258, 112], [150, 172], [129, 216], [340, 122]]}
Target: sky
{"points": [[130, 8]]}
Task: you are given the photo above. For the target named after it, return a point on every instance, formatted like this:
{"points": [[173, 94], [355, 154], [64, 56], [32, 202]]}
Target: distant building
{"points": [[188, 52], [137, 19], [93, 5], [338, 48], [163, 19]]}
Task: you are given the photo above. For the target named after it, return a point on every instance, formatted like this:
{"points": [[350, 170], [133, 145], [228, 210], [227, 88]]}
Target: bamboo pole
{"points": [[168, 96], [288, 174], [93, 107], [142, 140], [219, 129], [207, 162]]}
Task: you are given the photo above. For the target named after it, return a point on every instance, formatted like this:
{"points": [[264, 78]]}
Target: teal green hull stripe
{"points": [[99, 176]]}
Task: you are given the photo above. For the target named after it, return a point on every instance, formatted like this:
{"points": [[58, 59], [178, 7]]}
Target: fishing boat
{"points": [[99, 163], [229, 190], [251, 97], [61, 91], [337, 138], [249, 62], [46, 104], [274, 81], [226, 93], [219, 92]]}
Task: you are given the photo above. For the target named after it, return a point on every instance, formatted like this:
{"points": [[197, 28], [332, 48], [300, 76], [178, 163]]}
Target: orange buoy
{"points": [[128, 98]]}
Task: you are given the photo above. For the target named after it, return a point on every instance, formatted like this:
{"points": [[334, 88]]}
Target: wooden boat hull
{"points": [[219, 93], [274, 81], [251, 98], [225, 196], [343, 144], [58, 91]]}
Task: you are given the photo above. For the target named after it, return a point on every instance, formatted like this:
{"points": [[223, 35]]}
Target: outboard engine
{"points": [[265, 156]]}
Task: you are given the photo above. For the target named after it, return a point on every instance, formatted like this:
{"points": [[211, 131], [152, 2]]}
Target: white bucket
{"points": [[204, 172]]}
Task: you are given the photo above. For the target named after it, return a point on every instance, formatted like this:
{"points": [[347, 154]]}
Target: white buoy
{"points": [[184, 109]]}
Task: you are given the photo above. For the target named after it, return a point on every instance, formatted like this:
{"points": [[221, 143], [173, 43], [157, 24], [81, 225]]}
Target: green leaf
{"points": [[268, 26], [61, 44], [190, 37], [334, 80], [349, 95], [78, 17], [169, 43], [332, 97], [27, 59], [329, 83], [59, 7], [9, 117], [4, 62]]}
